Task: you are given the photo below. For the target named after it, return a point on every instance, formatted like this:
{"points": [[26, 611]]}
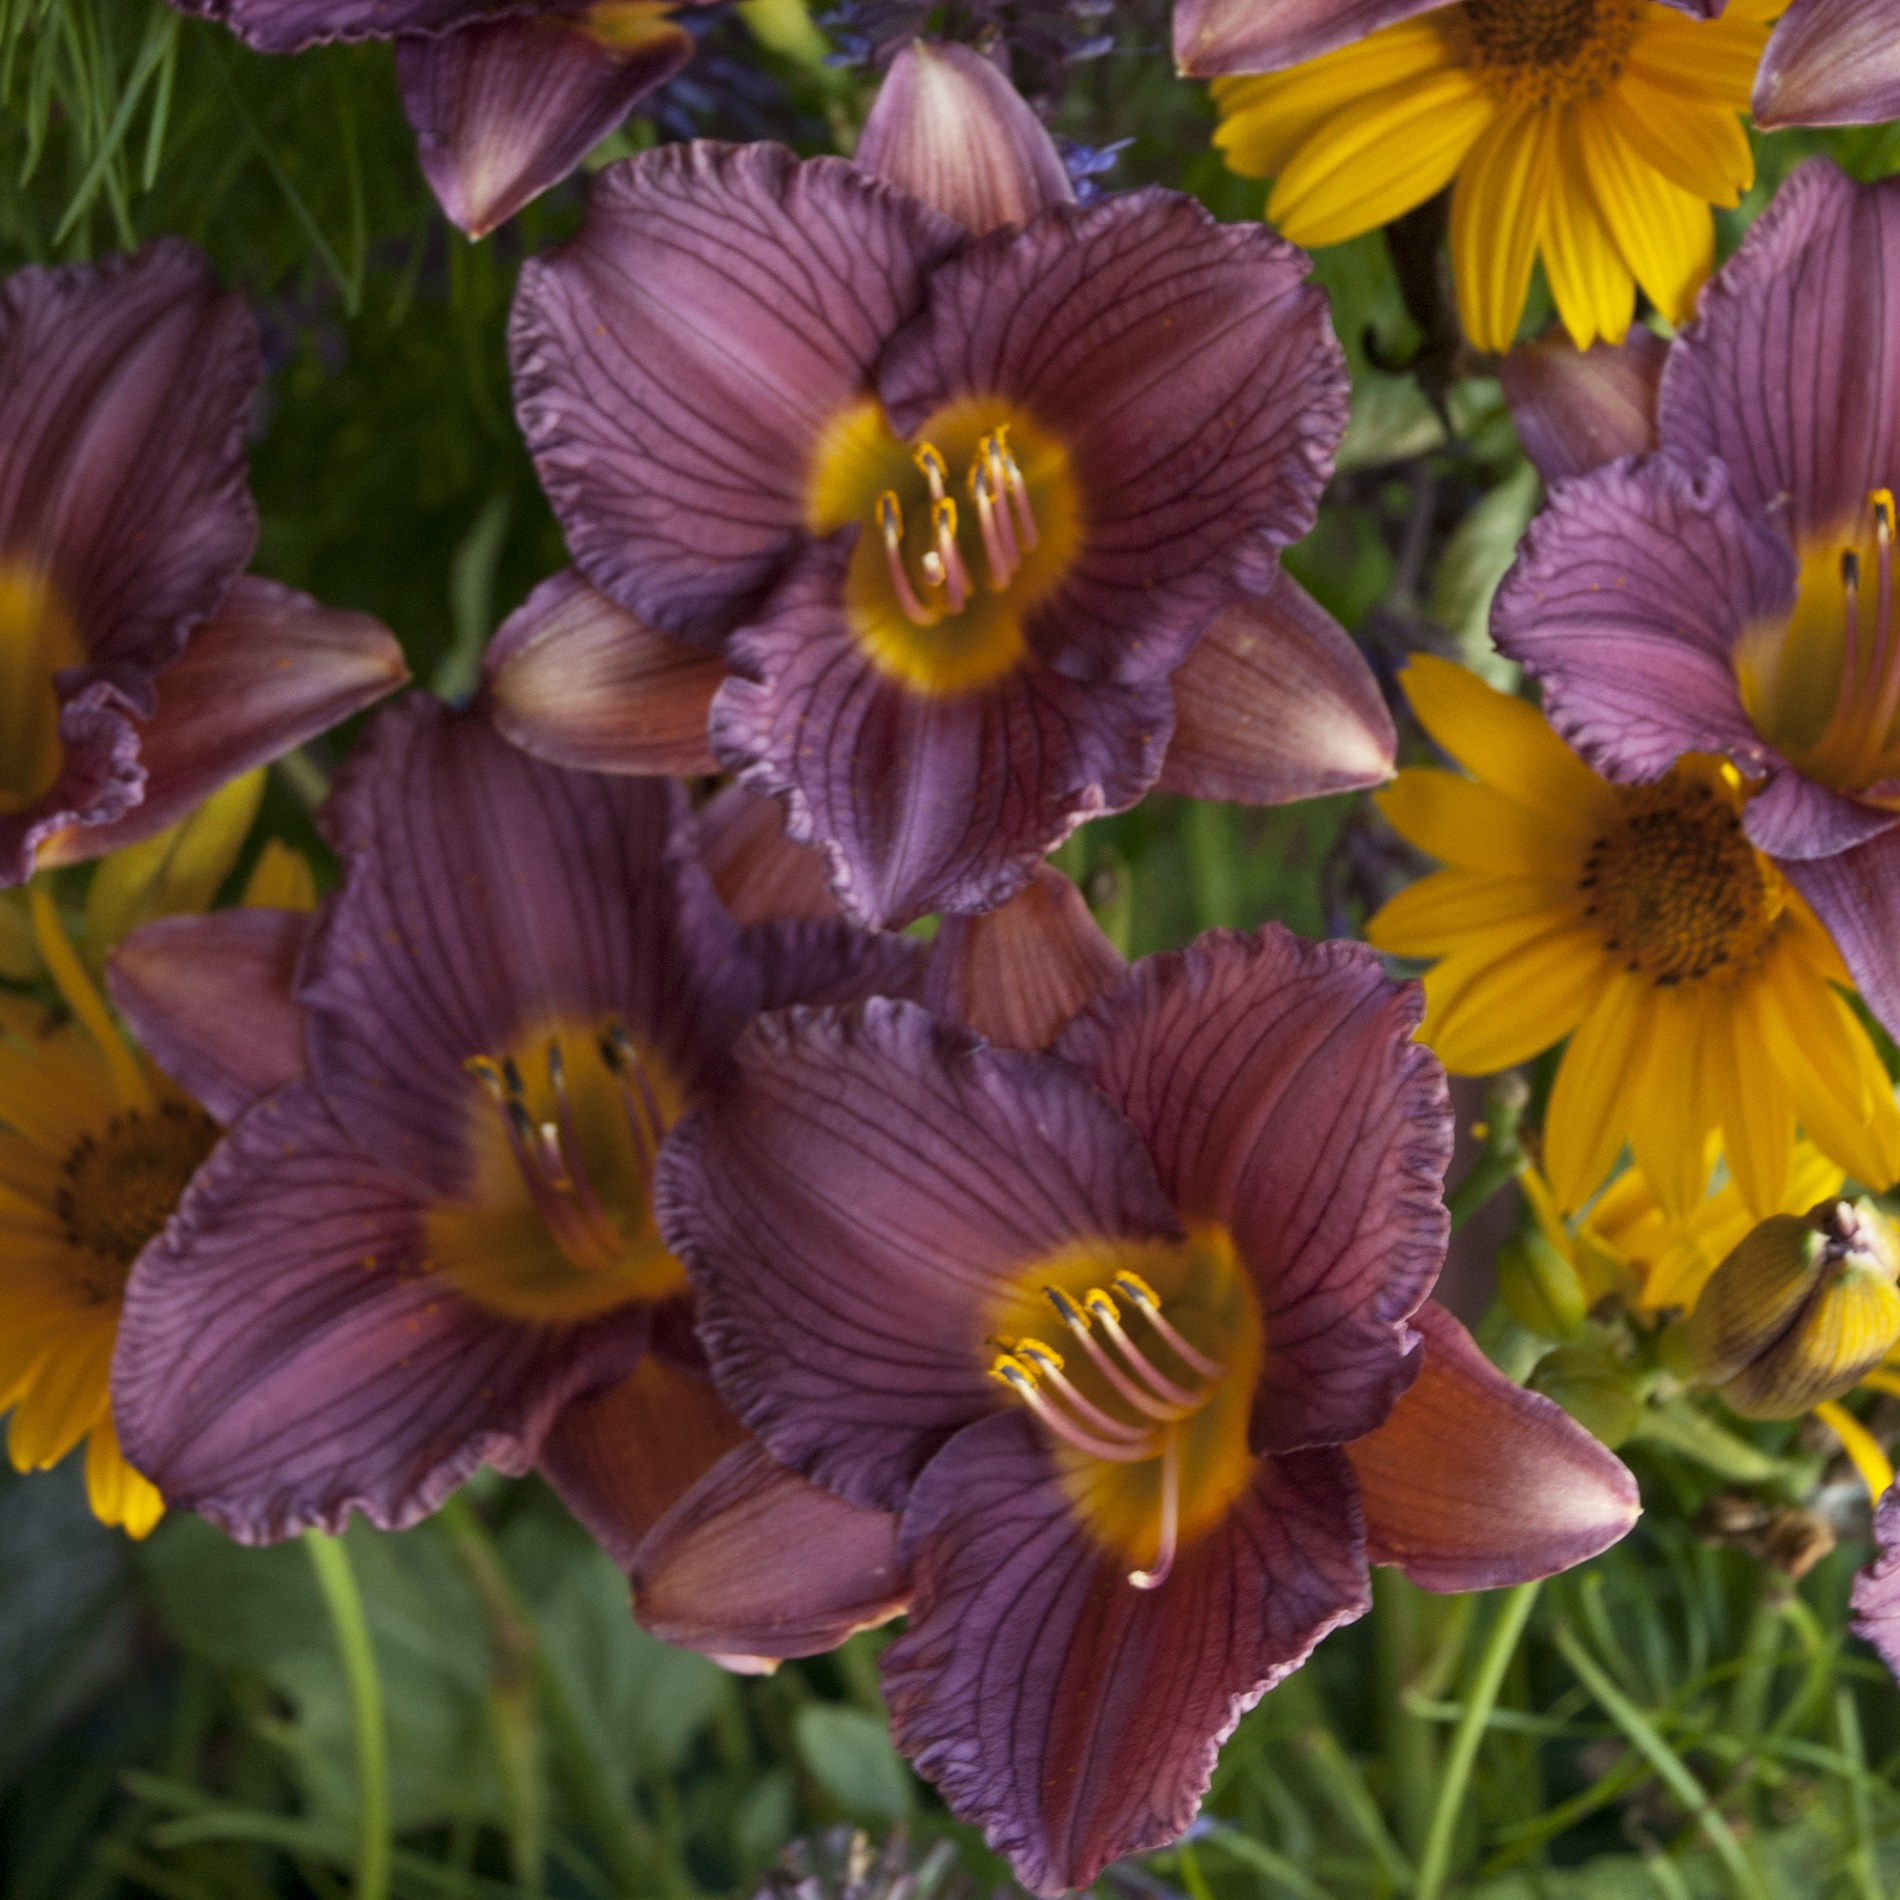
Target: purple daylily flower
{"points": [[505, 101], [1876, 1600], [1733, 593], [1133, 1338], [1830, 62], [140, 668], [1263, 36], [949, 510], [412, 1254]]}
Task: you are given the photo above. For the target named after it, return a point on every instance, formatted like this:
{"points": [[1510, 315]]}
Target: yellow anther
{"points": [[1882, 499], [1011, 1372], [1102, 1306], [933, 468], [1133, 1288], [943, 517], [1069, 1313], [1043, 1358], [890, 518], [487, 1072]]}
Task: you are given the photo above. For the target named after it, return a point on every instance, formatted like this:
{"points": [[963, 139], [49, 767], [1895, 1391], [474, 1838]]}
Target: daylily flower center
{"points": [[1676, 888], [1138, 1359], [37, 639], [118, 1186], [961, 532], [1823, 688], [559, 1222], [1544, 52]]}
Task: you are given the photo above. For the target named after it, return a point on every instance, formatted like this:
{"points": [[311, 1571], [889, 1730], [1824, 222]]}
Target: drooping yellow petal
{"points": [[1507, 1000], [1502, 740], [1591, 284], [65, 1397], [1449, 910], [85, 1002], [118, 1494], [1497, 211], [1375, 159], [1265, 119], [281, 879], [1702, 148], [1663, 234], [1754, 1102], [1669, 1114], [1707, 59], [1585, 1128], [1477, 827], [41, 1100]]}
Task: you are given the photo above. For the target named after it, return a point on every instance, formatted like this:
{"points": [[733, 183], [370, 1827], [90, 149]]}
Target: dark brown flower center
{"points": [[1676, 888], [1546, 51], [118, 1188]]}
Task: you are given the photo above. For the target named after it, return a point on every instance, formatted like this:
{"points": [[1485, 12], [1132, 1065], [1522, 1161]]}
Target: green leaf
{"points": [[849, 1754]]}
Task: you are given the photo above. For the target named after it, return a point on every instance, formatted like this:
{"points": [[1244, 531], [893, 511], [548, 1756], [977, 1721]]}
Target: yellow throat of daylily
{"points": [[1138, 1359], [37, 639], [961, 534], [557, 1223]]}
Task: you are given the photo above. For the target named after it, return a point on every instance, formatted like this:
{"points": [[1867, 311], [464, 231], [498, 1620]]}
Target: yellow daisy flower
{"points": [[96, 1146], [1700, 994], [1595, 133]]}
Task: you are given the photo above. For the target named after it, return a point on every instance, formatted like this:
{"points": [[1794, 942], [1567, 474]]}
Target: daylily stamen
{"points": [[934, 469], [1047, 1365], [1021, 1380], [1026, 536], [1077, 1322], [1165, 1389], [890, 521], [622, 1057], [998, 548], [1157, 1574], [1138, 1293], [956, 577]]}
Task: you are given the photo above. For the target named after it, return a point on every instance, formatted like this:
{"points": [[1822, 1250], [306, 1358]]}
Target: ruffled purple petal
{"points": [[922, 802], [1276, 1085], [757, 1563], [284, 1359], [828, 962], [621, 1458], [1577, 409], [1189, 370], [1474, 1483], [950, 129], [100, 779], [209, 999], [505, 108], [760, 874], [578, 681], [1276, 703], [485, 891], [269, 670], [676, 364], [847, 1210], [1830, 62], [288, 26], [1856, 895], [1794, 817], [1075, 1718], [1877, 1587], [1018, 974], [1791, 370], [125, 387], [1625, 603]]}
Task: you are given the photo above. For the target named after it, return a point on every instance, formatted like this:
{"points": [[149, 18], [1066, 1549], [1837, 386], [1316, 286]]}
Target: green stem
{"points": [[1500, 1645], [345, 1603], [1498, 1160]]}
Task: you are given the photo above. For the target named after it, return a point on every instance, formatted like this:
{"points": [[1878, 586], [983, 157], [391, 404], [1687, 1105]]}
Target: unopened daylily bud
{"points": [[1800, 1310], [950, 128], [1539, 1286], [1600, 1395]]}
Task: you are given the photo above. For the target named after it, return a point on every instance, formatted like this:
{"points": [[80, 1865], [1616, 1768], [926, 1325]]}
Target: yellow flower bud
{"points": [[1539, 1287], [1602, 1396], [1800, 1310]]}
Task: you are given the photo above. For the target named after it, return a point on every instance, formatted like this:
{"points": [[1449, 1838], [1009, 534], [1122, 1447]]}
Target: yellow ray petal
{"points": [[1485, 1012], [1663, 234], [1698, 60], [1265, 119], [1497, 211], [118, 1494], [1670, 1119], [1701, 147], [46, 1104], [1588, 1121], [1754, 1103], [1375, 159], [65, 1398], [1447, 910], [1479, 828], [1594, 291]]}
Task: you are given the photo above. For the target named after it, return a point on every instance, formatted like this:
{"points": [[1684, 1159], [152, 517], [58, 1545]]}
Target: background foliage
{"points": [[1680, 1718]]}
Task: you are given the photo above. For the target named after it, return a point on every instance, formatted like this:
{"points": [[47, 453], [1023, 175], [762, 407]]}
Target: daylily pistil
{"points": [[559, 1224], [1823, 687], [1150, 1428]]}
